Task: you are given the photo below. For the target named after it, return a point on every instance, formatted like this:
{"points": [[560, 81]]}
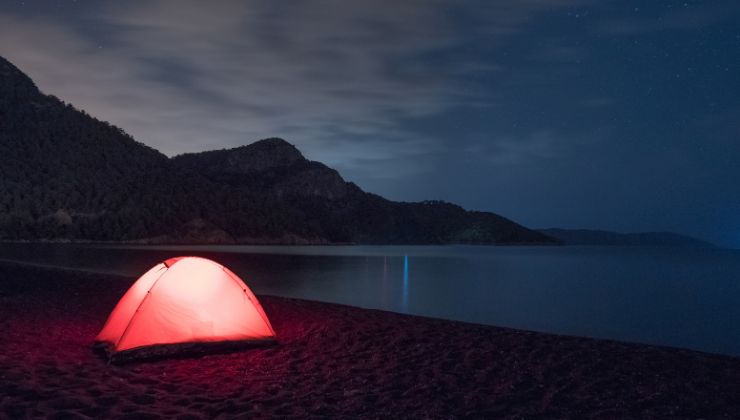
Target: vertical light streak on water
{"points": [[405, 293], [384, 289]]}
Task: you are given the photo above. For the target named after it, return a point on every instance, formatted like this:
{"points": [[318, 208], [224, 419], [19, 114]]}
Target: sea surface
{"points": [[676, 297]]}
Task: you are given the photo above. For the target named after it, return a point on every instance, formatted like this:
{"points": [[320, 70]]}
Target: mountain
{"points": [[606, 238], [65, 175]]}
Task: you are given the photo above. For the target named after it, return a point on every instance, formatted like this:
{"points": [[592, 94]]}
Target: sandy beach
{"points": [[337, 361]]}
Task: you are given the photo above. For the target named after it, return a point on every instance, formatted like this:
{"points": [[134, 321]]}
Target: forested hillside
{"points": [[65, 175]]}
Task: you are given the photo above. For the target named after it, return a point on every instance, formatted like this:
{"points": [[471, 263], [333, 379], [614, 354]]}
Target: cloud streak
{"points": [[185, 76]]}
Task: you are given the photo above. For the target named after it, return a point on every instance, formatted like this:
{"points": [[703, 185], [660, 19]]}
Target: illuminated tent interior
{"points": [[180, 303]]}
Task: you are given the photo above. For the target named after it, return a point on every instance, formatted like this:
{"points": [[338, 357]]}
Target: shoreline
{"points": [[148, 242], [123, 277], [338, 361]]}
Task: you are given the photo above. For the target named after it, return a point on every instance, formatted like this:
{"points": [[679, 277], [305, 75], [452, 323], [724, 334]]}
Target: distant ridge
{"points": [[607, 238], [66, 176]]}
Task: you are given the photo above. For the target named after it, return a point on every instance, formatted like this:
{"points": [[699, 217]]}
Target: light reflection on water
{"points": [[677, 297], [405, 301]]}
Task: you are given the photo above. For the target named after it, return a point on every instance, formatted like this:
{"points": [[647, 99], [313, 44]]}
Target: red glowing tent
{"points": [[181, 302]]}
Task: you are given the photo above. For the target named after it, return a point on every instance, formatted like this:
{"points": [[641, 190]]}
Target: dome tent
{"points": [[179, 304]]}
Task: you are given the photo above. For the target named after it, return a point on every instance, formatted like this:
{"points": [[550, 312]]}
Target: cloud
{"points": [[513, 150], [336, 78]]}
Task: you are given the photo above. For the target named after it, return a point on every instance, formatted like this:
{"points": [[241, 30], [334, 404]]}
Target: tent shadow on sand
{"points": [[177, 351], [184, 307]]}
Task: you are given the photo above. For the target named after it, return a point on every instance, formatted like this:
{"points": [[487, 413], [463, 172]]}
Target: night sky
{"points": [[621, 115]]}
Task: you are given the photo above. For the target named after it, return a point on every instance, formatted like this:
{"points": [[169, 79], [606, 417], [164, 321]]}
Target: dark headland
{"points": [[590, 237], [69, 177]]}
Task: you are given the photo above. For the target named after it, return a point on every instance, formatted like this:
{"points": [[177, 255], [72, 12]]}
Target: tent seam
{"points": [[136, 312], [256, 302]]}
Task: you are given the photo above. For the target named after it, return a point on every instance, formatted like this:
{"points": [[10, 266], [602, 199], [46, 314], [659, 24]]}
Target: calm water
{"points": [[675, 297]]}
